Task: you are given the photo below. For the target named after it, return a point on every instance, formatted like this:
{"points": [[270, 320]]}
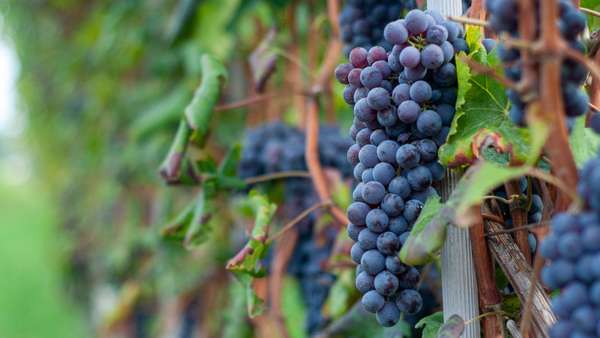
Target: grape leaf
{"points": [[478, 182], [177, 227], [236, 324], [430, 325], [293, 308], [246, 265], [198, 228], [584, 142], [181, 19], [247, 261], [481, 118], [593, 21], [199, 112], [165, 111], [340, 296], [228, 166], [427, 235]]}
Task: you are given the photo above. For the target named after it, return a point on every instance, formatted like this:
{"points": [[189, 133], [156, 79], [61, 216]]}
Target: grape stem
{"points": [[551, 102], [589, 11], [486, 70], [519, 216], [312, 120], [517, 229], [289, 225], [276, 176], [468, 21], [255, 99]]}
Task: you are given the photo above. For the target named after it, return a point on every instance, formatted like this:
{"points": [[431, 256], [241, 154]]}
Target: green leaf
{"points": [[428, 234], [340, 295], [165, 111], [254, 305], [452, 328], [247, 261], [341, 195], [176, 228], [199, 112], [431, 324], [584, 142], [293, 308], [228, 166], [593, 21], [477, 183], [198, 228], [245, 265], [182, 19], [481, 112], [236, 324]]}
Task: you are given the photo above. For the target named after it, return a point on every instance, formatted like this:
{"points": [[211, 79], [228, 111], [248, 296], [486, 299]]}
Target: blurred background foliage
{"points": [[102, 87]]}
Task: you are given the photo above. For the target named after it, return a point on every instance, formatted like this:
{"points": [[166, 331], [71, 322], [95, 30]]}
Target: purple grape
{"points": [[408, 111], [395, 33]]}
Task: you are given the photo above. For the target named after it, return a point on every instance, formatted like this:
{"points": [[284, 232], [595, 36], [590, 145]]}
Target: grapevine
{"points": [[296, 169]]}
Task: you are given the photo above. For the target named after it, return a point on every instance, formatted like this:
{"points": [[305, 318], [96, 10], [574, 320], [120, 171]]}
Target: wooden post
{"points": [[459, 284]]}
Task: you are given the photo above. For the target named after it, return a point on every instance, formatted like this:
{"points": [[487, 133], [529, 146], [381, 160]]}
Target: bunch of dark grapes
{"points": [[403, 104], [276, 147], [573, 248], [362, 21], [504, 19]]}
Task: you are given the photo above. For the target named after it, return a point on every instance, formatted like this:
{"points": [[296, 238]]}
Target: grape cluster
{"points": [[276, 147], [403, 103], [362, 21], [503, 19], [573, 248]]}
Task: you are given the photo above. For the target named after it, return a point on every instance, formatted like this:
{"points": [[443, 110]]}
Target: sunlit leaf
{"points": [[481, 118], [431, 325], [584, 142], [427, 235]]}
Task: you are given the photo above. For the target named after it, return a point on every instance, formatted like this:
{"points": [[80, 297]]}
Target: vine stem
{"points": [[489, 297], [256, 99], [589, 11], [551, 104], [276, 176], [487, 70], [289, 225], [519, 217], [468, 21], [312, 119]]}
